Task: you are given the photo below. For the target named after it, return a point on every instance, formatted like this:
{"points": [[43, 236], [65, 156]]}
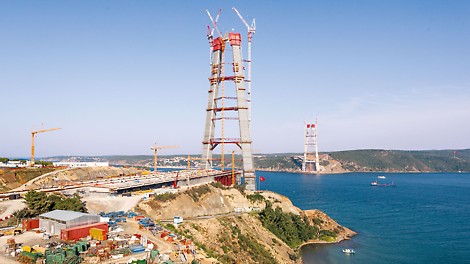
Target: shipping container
{"points": [[75, 233], [29, 224]]}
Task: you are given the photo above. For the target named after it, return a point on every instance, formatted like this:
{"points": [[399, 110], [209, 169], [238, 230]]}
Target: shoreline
{"points": [[346, 172], [350, 234], [319, 241]]}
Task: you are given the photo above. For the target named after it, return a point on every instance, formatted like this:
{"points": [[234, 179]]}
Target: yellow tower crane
{"points": [[33, 135], [155, 150]]}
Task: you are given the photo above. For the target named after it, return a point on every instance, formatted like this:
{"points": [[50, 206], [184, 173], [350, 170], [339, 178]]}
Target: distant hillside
{"points": [[399, 160], [330, 162]]}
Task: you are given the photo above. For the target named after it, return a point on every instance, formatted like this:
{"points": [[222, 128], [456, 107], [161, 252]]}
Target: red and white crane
{"points": [[251, 31], [210, 32]]}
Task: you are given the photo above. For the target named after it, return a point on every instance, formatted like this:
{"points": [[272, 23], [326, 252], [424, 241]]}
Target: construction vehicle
{"points": [[17, 231]]}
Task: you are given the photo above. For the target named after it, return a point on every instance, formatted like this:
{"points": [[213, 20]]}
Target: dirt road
{"points": [[9, 206]]}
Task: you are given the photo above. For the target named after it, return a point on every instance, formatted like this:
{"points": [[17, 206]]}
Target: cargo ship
{"points": [[376, 183]]}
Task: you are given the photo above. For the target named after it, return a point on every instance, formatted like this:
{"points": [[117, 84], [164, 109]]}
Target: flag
{"points": [[261, 178]]}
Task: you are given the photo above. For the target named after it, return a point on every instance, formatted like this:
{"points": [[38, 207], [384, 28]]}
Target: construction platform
{"points": [[127, 184]]}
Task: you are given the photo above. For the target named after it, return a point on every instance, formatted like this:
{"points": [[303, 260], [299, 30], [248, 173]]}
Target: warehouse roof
{"points": [[62, 215]]}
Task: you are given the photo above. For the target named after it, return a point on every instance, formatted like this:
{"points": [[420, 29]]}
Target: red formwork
{"points": [[218, 44], [75, 233], [235, 39]]}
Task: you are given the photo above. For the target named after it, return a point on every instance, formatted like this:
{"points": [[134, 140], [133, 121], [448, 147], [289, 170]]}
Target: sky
{"points": [[117, 76]]}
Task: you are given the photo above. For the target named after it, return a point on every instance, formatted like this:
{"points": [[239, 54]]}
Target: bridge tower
{"points": [[310, 161], [222, 107]]}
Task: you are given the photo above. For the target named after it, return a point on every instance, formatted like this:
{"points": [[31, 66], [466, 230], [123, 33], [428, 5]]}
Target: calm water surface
{"points": [[425, 219]]}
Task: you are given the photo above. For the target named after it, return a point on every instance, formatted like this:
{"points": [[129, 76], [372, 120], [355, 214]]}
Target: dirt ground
{"points": [[9, 206], [112, 203], [28, 238]]}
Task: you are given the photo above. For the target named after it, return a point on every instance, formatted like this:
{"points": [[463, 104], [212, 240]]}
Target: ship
{"points": [[376, 183]]}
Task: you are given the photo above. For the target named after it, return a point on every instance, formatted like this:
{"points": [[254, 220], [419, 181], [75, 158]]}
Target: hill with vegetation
{"points": [[404, 161], [233, 225], [366, 160]]}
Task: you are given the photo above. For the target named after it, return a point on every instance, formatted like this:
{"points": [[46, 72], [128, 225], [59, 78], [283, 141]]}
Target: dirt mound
{"points": [[11, 178], [67, 176]]}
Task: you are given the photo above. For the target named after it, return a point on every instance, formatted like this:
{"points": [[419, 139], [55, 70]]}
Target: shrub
{"points": [[166, 197], [317, 220], [290, 228], [255, 198], [197, 192], [241, 188], [218, 185]]}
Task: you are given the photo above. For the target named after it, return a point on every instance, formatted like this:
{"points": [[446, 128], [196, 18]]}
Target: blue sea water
{"points": [[425, 219]]}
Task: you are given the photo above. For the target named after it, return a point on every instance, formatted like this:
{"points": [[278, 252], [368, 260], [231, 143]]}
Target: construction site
{"points": [[112, 232]]}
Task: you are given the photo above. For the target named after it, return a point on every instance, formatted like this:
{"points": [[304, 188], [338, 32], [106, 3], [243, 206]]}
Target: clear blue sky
{"points": [[117, 76]]}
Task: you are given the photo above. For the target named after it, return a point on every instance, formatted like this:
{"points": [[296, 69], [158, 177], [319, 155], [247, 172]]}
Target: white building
{"points": [[15, 164], [80, 164], [54, 221]]}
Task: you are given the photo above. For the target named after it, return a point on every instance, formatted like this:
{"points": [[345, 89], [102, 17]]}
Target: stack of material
{"points": [[98, 234], [138, 217], [75, 233], [137, 248]]}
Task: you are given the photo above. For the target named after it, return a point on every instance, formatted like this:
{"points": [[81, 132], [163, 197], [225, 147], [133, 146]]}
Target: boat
{"points": [[381, 177], [348, 251], [376, 183]]}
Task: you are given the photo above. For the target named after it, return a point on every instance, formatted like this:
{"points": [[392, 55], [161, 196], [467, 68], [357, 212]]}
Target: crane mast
{"points": [[251, 31], [155, 149], [33, 135]]}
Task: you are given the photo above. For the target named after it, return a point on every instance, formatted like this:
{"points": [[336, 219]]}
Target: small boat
{"points": [[376, 183], [381, 177], [349, 251]]}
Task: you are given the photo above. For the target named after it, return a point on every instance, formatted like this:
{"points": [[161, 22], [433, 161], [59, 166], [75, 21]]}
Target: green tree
{"points": [[39, 203], [290, 228]]}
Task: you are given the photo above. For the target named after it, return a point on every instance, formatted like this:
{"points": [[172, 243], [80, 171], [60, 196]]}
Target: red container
{"points": [[75, 233], [28, 224], [138, 217]]}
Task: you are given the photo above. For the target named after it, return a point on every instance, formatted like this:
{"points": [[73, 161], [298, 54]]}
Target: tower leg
{"points": [[207, 146], [243, 114]]}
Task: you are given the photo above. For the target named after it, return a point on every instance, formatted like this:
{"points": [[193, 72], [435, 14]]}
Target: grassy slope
{"points": [[398, 160], [12, 178]]}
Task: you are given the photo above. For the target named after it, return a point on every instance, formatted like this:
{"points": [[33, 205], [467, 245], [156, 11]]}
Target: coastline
{"points": [[337, 240]]}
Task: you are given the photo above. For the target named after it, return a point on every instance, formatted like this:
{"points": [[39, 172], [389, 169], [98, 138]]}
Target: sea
{"points": [[424, 219]]}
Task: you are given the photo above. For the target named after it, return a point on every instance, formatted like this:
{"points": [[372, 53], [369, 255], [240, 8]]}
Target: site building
{"points": [[53, 222]]}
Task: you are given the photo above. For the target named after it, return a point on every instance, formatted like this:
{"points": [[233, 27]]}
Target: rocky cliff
{"points": [[230, 226]]}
